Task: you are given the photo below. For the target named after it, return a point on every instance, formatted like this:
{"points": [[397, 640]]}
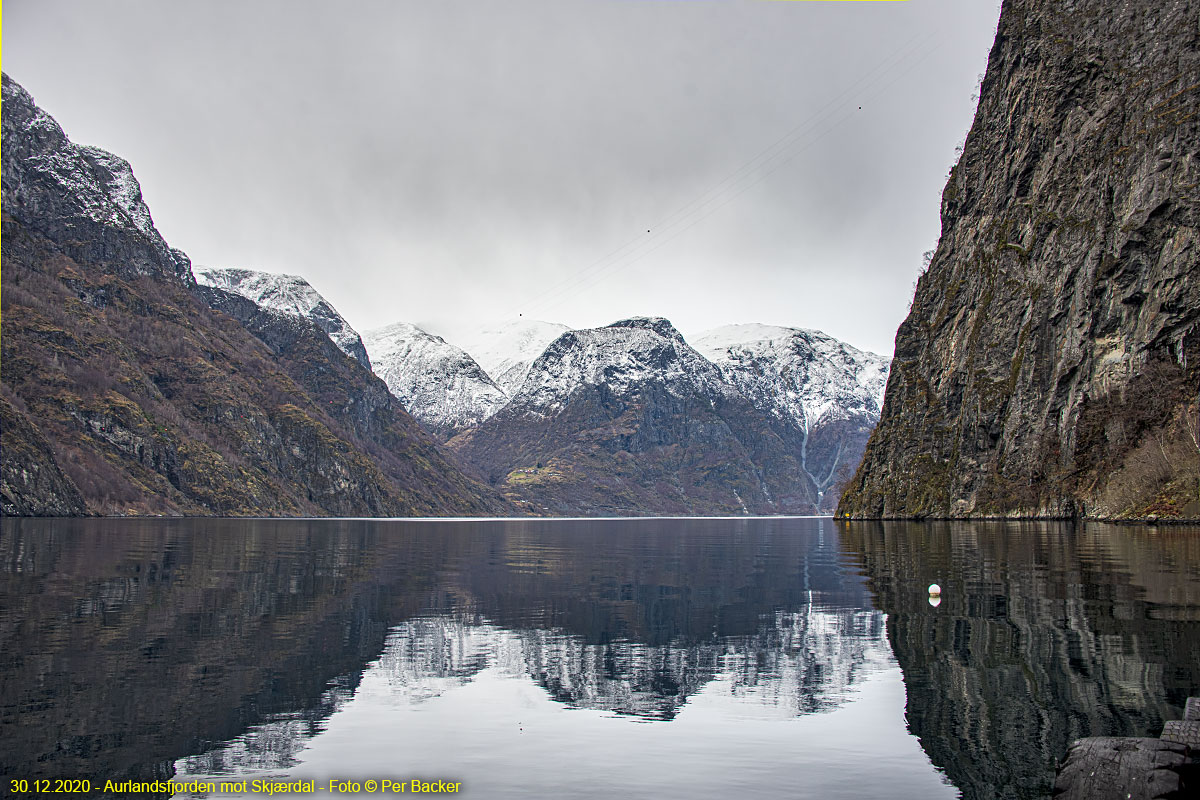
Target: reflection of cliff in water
{"points": [[131, 644], [1045, 633], [128, 643]]}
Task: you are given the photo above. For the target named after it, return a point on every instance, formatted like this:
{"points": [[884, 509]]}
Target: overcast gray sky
{"points": [[580, 161]]}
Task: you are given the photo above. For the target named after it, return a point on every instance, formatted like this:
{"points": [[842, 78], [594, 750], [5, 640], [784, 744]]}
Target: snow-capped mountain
{"points": [[507, 350], [84, 197], [804, 375], [439, 384], [289, 294], [620, 356], [630, 419], [830, 391]]}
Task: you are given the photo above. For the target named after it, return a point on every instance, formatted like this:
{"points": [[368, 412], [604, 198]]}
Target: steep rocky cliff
{"points": [[31, 484], [123, 392], [1050, 362], [83, 198]]}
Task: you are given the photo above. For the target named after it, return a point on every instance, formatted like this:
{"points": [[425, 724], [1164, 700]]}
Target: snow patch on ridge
{"points": [[620, 356], [801, 374], [288, 294], [90, 182], [506, 350], [122, 187], [438, 383]]}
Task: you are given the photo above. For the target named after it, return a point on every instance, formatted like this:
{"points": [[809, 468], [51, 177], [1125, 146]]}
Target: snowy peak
{"points": [[659, 325], [115, 176], [291, 295], [78, 193], [630, 418], [620, 356], [507, 350], [439, 383], [804, 375], [828, 391]]}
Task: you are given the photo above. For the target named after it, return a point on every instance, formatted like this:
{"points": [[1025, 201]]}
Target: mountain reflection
{"points": [[799, 662], [139, 648], [272, 746], [146, 649], [1046, 632]]}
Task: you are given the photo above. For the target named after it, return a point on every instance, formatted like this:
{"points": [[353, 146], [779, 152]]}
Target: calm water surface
{"points": [[794, 658]]}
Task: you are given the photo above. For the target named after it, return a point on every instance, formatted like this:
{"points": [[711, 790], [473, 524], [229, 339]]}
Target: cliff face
{"points": [[1049, 364], [84, 198], [31, 484]]}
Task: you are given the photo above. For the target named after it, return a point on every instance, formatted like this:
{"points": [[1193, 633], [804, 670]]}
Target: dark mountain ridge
{"points": [[123, 392]]}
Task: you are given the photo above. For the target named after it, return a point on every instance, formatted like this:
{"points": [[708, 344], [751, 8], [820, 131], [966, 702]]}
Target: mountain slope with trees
{"points": [[132, 395]]}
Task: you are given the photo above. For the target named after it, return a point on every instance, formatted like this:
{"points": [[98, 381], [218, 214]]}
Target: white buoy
{"points": [[935, 600], [935, 590]]}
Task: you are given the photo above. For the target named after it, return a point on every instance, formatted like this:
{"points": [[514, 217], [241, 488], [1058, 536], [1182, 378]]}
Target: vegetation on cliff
{"points": [[123, 392], [1050, 362]]}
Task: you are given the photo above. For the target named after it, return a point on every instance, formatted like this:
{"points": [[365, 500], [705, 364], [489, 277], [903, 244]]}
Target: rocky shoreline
{"points": [[1128, 768]]}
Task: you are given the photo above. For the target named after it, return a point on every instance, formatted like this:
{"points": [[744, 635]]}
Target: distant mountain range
{"points": [[134, 384], [555, 417], [630, 417]]}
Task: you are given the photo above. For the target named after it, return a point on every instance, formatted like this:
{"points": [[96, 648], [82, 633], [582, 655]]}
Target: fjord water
{"points": [[598, 658]]}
